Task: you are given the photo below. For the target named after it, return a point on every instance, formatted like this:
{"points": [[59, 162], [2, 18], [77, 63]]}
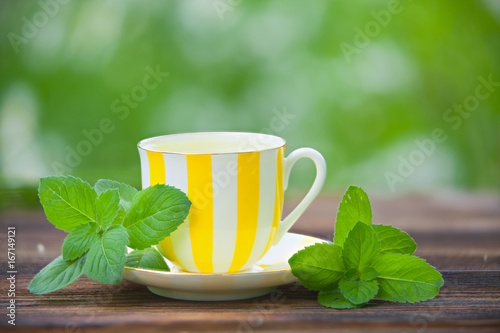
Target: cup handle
{"points": [[288, 163]]}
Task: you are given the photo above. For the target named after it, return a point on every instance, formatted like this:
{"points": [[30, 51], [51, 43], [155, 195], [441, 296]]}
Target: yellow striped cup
{"points": [[235, 182]]}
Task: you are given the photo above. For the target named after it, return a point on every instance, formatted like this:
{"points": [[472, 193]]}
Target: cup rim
{"points": [[140, 144]]}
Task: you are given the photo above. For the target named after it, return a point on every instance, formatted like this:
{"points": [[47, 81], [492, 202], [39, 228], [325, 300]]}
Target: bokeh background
{"points": [[360, 81]]}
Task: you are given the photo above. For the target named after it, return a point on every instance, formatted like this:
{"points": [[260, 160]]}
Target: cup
{"points": [[235, 182]]}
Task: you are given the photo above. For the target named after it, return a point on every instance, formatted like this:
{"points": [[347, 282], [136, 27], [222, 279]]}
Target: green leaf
{"points": [[159, 210], [120, 215], [126, 194], [361, 247], [147, 258], [351, 274], [393, 240], [319, 266], [354, 207], [359, 291], [68, 202], [78, 242], [368, 274], [107, 255], [125, 191], [404, 278], [56, 275], [106, 207], [335, 299]]}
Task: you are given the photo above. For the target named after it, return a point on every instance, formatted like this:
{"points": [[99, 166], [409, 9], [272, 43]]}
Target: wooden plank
{"points": [[468, 300], [458, 234]]}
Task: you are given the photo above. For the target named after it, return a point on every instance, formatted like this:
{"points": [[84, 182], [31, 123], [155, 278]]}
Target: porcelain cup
{"points": [[235, 182]]}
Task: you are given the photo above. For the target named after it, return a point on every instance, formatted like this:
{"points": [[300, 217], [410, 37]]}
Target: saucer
{"points": [[270, 272]]}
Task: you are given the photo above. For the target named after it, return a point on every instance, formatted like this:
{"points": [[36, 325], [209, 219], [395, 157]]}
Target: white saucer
{"points": [[270, 272]]}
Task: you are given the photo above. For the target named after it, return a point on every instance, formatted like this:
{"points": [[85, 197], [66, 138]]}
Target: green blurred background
{"points": [[360, 81]]}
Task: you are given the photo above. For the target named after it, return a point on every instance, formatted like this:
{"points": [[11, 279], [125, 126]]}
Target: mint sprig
{"points": [[102, 221], [365, 261]]}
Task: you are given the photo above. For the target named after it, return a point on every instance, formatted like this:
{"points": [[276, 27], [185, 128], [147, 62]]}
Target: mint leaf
{"points": [[359, 291], [319, 266], [68, 202], [120, 215], [107, 255], [78, 242], [361, 247], [106, 207], [355, 207], [393, 240], [56, 275], [147, 258], [368, 274], [351, 274], [335, 299], [404, 278], [125, 191], [159, 209]]}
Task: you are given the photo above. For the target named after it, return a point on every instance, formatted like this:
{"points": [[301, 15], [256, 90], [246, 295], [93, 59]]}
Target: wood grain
{"points": [[458, 234]]}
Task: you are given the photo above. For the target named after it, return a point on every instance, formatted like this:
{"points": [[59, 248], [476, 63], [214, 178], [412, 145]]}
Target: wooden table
{"points": [[457, 233]]}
